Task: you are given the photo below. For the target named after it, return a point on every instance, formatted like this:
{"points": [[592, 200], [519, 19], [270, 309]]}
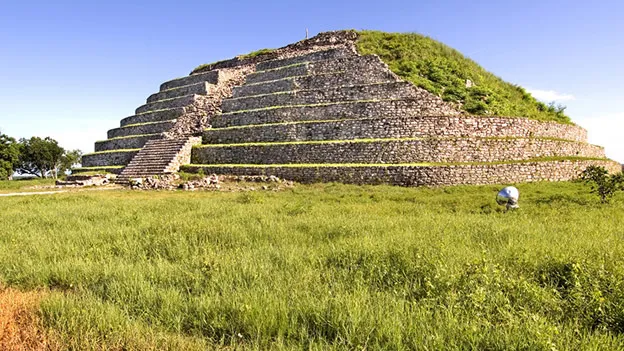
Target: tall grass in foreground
{"points": [[322, 267]]}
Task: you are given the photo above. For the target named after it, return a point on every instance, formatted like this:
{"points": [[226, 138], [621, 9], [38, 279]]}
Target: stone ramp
{"points": [[158, 157]]}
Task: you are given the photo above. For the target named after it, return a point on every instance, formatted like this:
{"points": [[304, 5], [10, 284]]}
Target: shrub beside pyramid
{"points": [[328, 109]]}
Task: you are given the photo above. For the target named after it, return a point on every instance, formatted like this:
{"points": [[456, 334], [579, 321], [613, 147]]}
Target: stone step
{"points": [[363, 64], [150, 163], [381, 108], [155, 116], [154, 159], [103, 159], [397, 127], [161, 150], [181, 101], [277, 74], [165, 144], [201, 88], [315, 81], [211, 77], [314, 56], [157, 150], [140, 129], [394, 90], [418, 174], [440, 150], [158, 153], [132, 142], [146, 170], [155, 154], [159, 157]]}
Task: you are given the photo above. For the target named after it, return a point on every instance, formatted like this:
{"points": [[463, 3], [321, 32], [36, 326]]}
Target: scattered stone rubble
{"points": [[212, 182], [198, 116], [85, 180]]}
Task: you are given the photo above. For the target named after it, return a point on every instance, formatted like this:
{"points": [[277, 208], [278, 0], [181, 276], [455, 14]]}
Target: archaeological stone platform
{"points": [[317, 111]]}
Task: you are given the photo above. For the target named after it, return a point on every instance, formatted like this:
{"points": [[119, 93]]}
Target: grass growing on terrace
{"points": [[322, 267], [255, 53], [444, 71], [111, 151], [208, 66]]}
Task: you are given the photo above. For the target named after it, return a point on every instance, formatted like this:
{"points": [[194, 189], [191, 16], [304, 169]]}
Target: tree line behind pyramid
{"points": [[35, 157], [354, 107]]}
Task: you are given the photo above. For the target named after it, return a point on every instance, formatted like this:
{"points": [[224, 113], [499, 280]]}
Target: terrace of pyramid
{"points": [[320, 111]]}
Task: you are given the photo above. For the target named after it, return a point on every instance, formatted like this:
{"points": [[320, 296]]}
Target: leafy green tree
{"points": [[40, 157], [603, 183], [9, 156], [69, 159]]}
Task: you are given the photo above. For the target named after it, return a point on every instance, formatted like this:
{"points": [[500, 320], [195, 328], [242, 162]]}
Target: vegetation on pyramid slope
{"points": [[444, 71]]}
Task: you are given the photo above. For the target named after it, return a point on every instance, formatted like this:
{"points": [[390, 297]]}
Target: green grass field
{"points": [[322, 267], [24, 185]]}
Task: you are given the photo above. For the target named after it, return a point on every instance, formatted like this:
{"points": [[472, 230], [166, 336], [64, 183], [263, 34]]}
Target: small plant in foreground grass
{"points": [[603, 183]]}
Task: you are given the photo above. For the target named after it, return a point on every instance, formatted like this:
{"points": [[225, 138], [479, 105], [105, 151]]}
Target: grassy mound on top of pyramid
{"points": [[445, 72]]}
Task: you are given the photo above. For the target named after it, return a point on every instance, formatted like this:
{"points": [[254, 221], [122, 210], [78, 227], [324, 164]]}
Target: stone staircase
{"points": [[158, 157], [151, 122]]}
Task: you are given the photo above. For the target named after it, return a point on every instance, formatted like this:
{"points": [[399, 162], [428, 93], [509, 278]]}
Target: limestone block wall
{"points": [[314, 82], [168, 103], [299, 70], [324, 55], [508, 173], [131, 142], [201, 88], [184, 156], [395, 151], [141, 129], [419, 105], [108, 158], [365, 64], [211, 77], [396, 90], [399, 127], [156, 116], [342, 40]]}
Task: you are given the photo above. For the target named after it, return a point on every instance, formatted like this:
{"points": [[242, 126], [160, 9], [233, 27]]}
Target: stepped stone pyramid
{"points": [[317, 110]]}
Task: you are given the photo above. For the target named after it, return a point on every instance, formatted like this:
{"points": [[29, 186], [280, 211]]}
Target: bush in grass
{"points": [[603, 183]]}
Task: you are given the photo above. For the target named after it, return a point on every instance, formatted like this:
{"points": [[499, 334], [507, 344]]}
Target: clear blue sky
{"points": [[71, 70]]}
